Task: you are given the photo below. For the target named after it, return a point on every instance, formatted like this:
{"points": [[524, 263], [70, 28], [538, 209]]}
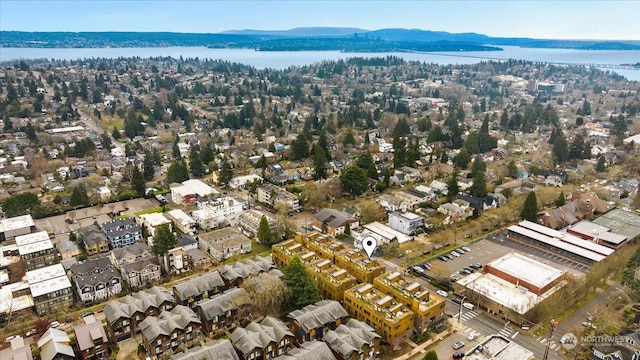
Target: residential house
{"points": [[122, 232], [392, 202], [234, 274], [454, 212], [36, 250], [15, 226], [178, 261], [67, 249], [240, 182], [191, 191], [55, 344], [220, 349], [224, 310], [91, 339], [124, 315], [249, 221], [50, 288], [354, 340], [262, 341], [198, 258], [93, 239], [96, 279], [391, 319], [152, 222], [142, 272], [414, 197], [187, 242], [182, 222], [162, 335], [439, 187], [309, 350], [333, 222], [191, 291], [217, 211], [130, 254], [479, 203], [224, 243], [272, 195], [18, 350], [315, 320], [405, 222]]}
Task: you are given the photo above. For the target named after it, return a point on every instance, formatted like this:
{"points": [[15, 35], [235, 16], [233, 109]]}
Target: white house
{"points": [[190, 191], [239, 182], [405, 222], [182, 221], [216, 211]]}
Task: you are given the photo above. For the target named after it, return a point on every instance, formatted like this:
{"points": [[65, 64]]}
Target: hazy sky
{"points": [[536, 19]]}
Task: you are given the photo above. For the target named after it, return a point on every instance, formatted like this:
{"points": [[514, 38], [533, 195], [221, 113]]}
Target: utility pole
{"points": [[552, 328]]}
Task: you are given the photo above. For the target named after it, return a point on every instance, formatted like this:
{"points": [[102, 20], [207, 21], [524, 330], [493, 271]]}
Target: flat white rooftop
{"points": [[526, 269], [387, 232], [194, 186], [497, 347], [18, 222], [8, 302], [181, 216], [35, 247], [155, 219], [48, 279], [27, 239], [407, 215]]}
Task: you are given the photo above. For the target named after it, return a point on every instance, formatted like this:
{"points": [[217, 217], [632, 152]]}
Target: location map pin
{"points": [[369, 245]]}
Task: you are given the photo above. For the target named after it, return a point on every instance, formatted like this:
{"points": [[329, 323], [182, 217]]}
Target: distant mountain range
{"points": [[306, 38]]}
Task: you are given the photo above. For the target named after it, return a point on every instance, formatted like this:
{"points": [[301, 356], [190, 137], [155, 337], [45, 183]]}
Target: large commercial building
{"points": [[427, 306], [621, 222], [599, 234], [511, 286], [391, 319], [191, 191]]}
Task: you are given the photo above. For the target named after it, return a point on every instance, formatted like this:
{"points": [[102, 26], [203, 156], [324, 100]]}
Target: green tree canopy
{"points": [[19, 204], [462, 159], [512, 169], [479, 186], [365, 161], [225, 172], [195, 162], [430, 355], [304, 291], [478, 165], [264, 231], [452, 186], [163, 240], [354, 180], [402, 128], [177, 172], [530, 207], [137, 181], [319, 164], [601, 165], [147, 165], [79, 197], [561, 199]]}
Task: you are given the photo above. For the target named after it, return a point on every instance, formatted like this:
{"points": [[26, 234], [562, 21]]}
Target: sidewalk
{"points": [[422, 348]]}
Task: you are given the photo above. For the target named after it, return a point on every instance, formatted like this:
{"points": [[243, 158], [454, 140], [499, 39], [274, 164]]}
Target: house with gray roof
{"points": [[18, 350], [234, 274], [122, 232], [352, 340], [223, 311], [130, 254], [94, 240], [162, 335], [311, 350], [333, 222], [311, 321], [55, 344], [67, 249], [142, 272], [96, 279], [124, 315], [189, 292], [217, 349], [91, 339], [264, 340]]}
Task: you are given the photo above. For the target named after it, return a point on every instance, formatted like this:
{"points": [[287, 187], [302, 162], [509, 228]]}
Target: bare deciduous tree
{"points": [[267, 293]]}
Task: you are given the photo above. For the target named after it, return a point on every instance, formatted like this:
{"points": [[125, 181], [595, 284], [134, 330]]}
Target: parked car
{"points": [[449, 256], [467, 235], [468, 306], [454, 278], [442, 258], [428, 264], [458, 345], [472, 336], [55, 324], [456, 300], [525, 326], [425, 252], [418, 270], [87, 313], [476, 266], [455, 254], [30, 332], [465, 249], [589, 325], [465, 272], [438, 247], [447, 244], [9, 338], [442, 293], [458, 355]]}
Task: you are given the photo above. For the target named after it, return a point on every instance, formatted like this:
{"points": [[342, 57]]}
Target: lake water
{"points": [[284, 59]]}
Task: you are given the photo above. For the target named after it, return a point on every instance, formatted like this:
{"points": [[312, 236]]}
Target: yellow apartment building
{"points": [[358, 264], [323, 244], [283, 252], [391, 319], [427, 306], [332, 280]]}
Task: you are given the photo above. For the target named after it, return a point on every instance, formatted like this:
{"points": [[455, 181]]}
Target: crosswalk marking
{"points": [[468, 315], [389, 264], [506, 331], [514, 335]]}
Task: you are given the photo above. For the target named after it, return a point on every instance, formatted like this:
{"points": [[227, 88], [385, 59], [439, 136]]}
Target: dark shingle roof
{"points": [[199, 285], [318, 315], [216, 349]]}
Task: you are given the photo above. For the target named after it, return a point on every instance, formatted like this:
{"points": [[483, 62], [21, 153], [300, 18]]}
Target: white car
{"points": [[465, 249], [442, 293], [55, 324], [455, 254], [468, 306], [472, 336]]}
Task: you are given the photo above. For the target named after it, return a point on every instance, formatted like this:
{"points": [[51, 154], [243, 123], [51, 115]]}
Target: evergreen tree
{"points": [[195, 164], [156, 157], [304, 291], [175, 150], [431, 354], [530, 207], [177, 172], [600, 166], [462, 159], [262, 163], [561, 200], [264, 231], [478, 165], [299, 148], [72, 237], [479, 186], [137, 181], [225, 172], [560, 149], [354, 180], [399, 152], [206, 154], [402, 128], [147, 165], [365, 162], [79, 197], [452, 186], [349, 139], [319, 164], [512, 169], [324, 144], [163, 240]]}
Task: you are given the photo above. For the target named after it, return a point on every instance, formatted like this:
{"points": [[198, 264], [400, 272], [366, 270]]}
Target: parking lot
{"points": [[495, 246]]}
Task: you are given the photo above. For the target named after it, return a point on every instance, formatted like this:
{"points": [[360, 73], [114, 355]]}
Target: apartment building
{"points": [[262, 341], [142, 272], [427, 306], [224, 243], [224, 310], [283, 252], [391, 319], [36, 250], [91, 340], [313, 321], [323, 244], [272, 195], [123, 316], [122, 232], [405, 222], [249, 221], [234, 274], [218, 211], [191, 191], [163, 334], [220, 349], [182, 222], [16, 226], [332, 280], [94, 240], [96, 279], [358, 264], [130, 254], [178, 261], [189, 292], [152, 222], [50, 288]]}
